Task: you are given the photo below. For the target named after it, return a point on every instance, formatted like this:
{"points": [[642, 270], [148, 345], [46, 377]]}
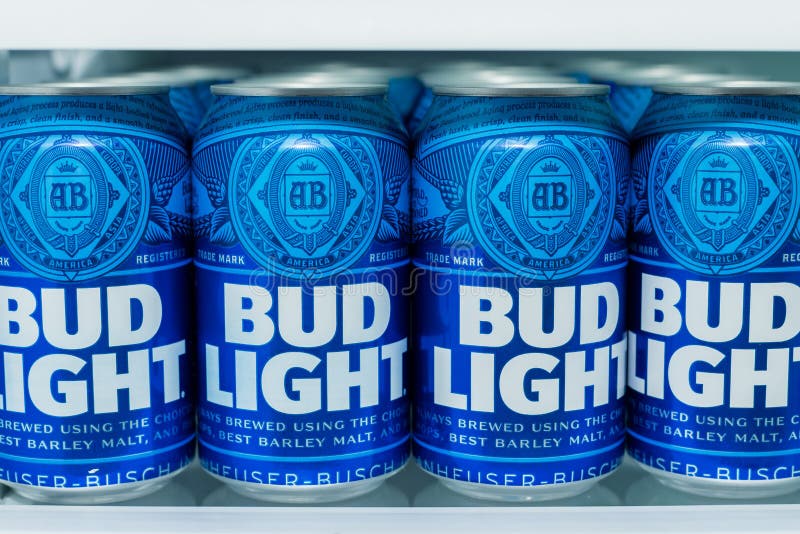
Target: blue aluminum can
{"points": [[301, 228], [715, 289], [519, 333], [96, 402]]}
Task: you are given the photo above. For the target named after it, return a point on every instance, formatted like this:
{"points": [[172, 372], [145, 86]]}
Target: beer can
{"points": [[518, 209], [713, 378], [301, 228], [95, 279]]}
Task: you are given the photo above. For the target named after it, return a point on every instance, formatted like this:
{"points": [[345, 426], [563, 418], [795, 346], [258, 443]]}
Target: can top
{"points": [[174, 77], [646, 75], [597, 67], [493, 75], [731, 87], [543, 89], [337, 70], [81, 89], [281, 87], [330, 78]]}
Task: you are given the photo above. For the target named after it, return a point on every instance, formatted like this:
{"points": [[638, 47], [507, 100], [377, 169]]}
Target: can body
{"points": [[714, 295], [519, 238], [302, 254], [95, 224]]}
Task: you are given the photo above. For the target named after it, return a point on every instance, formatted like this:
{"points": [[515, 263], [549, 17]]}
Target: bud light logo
{"points": [[306, 205], [542, 205], [73, 207], [723, 202]]}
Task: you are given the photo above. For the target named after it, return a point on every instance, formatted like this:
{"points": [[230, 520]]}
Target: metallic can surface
{"points": [[302, 231], [472, 74], [519, 334], [189, 87], [632, 86], [95, 280], [403, 89], [715, 290]]}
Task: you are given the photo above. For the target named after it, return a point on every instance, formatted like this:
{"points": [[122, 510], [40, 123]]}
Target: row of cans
{"points": [[514, 278], [410, 92]]}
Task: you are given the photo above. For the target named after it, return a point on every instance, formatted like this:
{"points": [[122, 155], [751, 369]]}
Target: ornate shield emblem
{"points": [[722, 202], [306, 205], [542, 206], [73, 207]]}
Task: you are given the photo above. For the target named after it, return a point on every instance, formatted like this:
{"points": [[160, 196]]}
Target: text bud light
{"points": [[96, 384], [519, 228], [302, 229], [714, 343]]}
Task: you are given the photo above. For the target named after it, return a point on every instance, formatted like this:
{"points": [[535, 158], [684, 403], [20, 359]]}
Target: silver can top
{"points": [[286, 87], [174, 77], [490, 75], [82, 89], [537, 89], [732, 87]]}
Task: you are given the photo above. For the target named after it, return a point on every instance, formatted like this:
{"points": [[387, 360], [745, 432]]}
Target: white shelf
{"points": [[651, 520], [727, 25], [462, 518]]}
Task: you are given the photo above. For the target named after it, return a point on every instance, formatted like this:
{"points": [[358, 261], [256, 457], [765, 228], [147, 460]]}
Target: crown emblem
{"points": [[308, 166], [718, 163], [550, 167], [67, 167]]}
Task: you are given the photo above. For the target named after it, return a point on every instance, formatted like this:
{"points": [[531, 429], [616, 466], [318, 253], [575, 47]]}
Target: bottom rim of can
{"points": [[95, 495], [723, 489], [519, 494], [305, 494]]}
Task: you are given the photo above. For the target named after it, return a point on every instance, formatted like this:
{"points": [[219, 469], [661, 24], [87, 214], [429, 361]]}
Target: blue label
{"points": [[715, 289], [302, 260], [95, 280], [519, 229]]}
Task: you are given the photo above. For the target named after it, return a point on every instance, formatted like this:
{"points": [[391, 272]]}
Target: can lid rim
{"points": [[543, 89], [297, 89], [731, 87], [82, 89], [176, 77]]}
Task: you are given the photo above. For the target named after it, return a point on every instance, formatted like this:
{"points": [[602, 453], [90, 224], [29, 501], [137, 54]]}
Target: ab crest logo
{"points": [[723, 202], [73, 207], [542, 205], [306, 205]]}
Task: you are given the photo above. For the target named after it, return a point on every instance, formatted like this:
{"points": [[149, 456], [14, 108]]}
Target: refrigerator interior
{"points": [[66, 45]]}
